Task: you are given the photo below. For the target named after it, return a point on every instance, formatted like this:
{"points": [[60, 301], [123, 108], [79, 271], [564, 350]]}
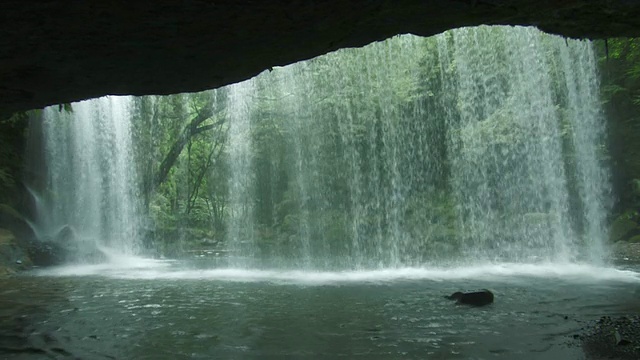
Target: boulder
{"points": [[46, 253], [474, 298], [65, 246], [66, 235]]}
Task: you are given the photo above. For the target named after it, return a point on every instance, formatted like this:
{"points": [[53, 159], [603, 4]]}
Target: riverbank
{"points": [[616, 338]]}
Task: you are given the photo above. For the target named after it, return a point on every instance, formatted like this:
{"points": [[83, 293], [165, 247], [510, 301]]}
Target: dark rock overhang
{"points": [[61, 51]]}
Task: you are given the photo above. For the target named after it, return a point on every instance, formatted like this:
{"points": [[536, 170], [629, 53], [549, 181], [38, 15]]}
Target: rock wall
{"points": [[60, 51]]}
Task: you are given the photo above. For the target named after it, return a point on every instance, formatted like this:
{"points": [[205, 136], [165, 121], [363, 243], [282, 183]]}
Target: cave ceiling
{"points": [[55, 52]]}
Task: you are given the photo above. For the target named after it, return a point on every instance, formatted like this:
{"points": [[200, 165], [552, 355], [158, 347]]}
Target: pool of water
{"points": [[174, 310]]}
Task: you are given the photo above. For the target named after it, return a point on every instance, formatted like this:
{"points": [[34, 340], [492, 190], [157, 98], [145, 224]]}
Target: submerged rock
{"points": [[474, 298]]}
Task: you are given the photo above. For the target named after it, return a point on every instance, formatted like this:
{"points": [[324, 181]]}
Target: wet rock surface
{"points": [[473, 298], [65, 247], [13, 257], [611, 338], [625, 252]]}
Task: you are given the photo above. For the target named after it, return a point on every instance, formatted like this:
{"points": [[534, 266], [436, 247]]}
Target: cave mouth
{"points": [[511, 148], [476, 145]]}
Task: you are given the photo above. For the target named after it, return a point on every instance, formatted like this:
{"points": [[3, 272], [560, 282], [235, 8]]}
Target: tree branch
{"points": [[192, 129]]}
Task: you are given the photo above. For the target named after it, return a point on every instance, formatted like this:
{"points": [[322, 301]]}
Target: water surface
{"points": [[173, 310]]}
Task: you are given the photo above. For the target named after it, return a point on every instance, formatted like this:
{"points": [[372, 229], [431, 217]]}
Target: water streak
{"points": [[92, 190], [136, 268], [241, 226], [479, 144]]}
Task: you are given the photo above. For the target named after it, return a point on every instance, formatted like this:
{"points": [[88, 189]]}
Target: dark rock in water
{"points": [[65, 246], [474, 298], [46, 253], [66, 235]]}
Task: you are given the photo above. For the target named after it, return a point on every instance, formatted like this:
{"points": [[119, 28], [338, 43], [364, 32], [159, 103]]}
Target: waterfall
{"points": [[91, 194], [525, 128], [588, 131], [304, 166], [508, 171], [480, 144], [240, 221]]}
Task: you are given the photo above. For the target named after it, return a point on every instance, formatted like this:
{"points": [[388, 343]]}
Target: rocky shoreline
{"points": [[615, 338], [611, 338], [625, 252]]}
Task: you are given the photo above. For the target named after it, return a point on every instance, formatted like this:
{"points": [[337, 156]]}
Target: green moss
{"points": [[621, 227], [635, 239], [12, 256]]}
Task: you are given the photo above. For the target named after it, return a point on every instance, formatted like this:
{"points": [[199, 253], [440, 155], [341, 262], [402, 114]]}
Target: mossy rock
{"points": [[6, 271], [12, 256], [635, 239], [621, 227]]}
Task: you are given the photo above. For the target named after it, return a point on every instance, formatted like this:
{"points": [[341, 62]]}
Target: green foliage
{"points": [[635, 187], [8, 210], [12, 143], [183, 135], [612, 90], [66, 107], [621, 93], [343, 132], [7, 180], [623, 226], [501, 129]]}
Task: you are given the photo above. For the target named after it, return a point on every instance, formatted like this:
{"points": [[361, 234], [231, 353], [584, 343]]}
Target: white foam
{"points": [[116, 265], [150, 269]]}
